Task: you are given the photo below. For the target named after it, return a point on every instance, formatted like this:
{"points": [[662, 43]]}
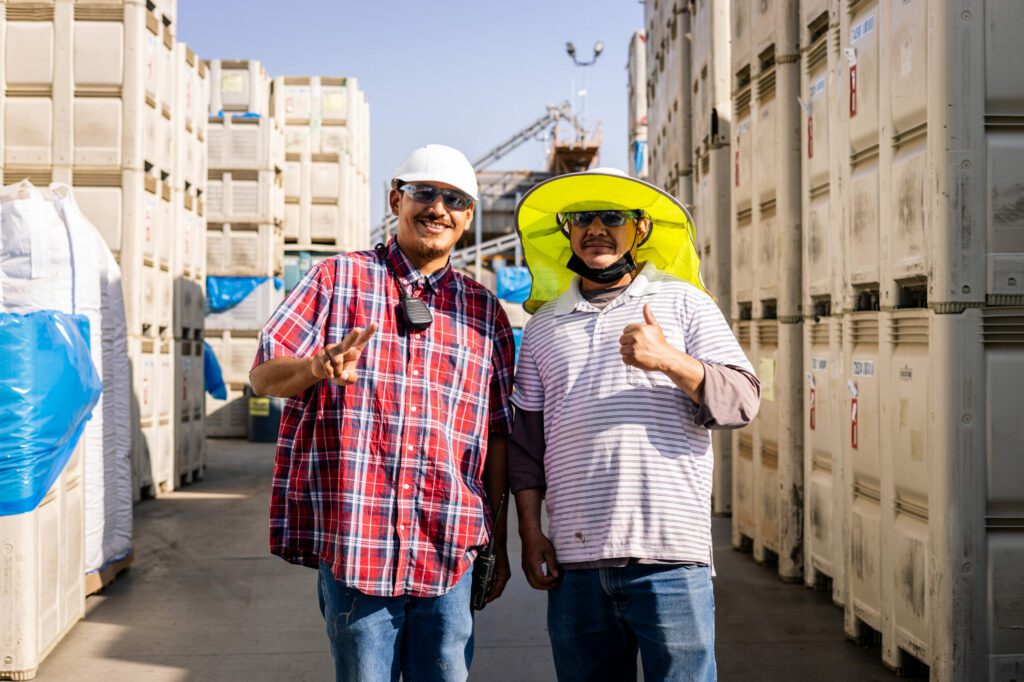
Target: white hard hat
{"points": [[439, 163]]}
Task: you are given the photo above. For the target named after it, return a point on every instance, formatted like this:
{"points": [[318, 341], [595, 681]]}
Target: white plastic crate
{"points": [[636, 68], [228, 418], [243, 143], [710, 74], [43, 592], [668, 26], [244, 250], [825, 396], [152, 361], [238, 87], [906, 223], [235, 351], [245, 197], [190, 120], [252, 312]]}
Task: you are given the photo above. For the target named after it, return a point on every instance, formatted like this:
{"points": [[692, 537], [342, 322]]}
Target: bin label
{"points": [[863, 368], [863, 28], [819, 364], [232, 83], [259, 407]]}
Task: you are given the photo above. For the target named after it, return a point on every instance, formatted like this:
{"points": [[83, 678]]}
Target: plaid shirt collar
{"points": [[410, 276]]}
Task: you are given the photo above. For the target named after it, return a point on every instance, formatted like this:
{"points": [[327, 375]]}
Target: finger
{"points": [[649, 316], [632, 329], [499, 586], [364, 337], [345, 344], [552, 562]]}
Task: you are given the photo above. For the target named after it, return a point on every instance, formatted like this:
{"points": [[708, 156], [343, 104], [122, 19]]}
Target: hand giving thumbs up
{"points": [[644, 345]]}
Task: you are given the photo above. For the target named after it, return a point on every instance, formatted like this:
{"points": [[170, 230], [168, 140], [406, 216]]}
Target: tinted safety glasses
{"points": [[427, 194], [583, 219]]}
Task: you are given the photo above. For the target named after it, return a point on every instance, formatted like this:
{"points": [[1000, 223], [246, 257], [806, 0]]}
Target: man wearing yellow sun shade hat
{"points": [[624, 368]]}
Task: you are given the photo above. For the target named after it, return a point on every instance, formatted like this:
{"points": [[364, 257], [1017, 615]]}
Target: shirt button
{"points": [[413, 408], [410, 448], [415, 372], [401, 526], [405, 486]]}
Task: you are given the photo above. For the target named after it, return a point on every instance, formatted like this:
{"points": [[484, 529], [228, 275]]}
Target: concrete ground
{"points": [[205, 601]]}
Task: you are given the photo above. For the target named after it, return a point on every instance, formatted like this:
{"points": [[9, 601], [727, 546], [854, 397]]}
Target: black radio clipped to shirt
{"points": [[414, 313]]}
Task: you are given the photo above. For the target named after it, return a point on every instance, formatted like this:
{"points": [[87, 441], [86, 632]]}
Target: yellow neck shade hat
{"points": [[670, 246]]}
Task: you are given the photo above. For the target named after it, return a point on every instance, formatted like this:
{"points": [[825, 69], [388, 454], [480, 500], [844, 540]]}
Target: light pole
{"points": [[570, 50]]}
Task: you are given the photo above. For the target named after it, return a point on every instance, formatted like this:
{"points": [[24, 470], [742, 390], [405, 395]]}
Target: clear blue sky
{"points": [[463, 73]]}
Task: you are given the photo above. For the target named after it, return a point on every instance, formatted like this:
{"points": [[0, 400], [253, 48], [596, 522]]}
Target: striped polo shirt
{"points": [[628, 470]]}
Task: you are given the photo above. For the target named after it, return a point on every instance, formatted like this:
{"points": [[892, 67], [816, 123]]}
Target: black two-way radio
{"points": [[414, 313]]}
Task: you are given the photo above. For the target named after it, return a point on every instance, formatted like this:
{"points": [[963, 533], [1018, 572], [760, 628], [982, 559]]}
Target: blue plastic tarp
{"points": [[213, 377], [517, 335], [513, 284], [48, 388], [224, 293]]}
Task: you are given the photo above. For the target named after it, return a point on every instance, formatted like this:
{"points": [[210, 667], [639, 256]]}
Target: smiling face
{"points": [[427, 232], [599, 246]]}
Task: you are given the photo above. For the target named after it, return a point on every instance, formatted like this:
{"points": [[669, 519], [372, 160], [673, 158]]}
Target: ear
{"points": [[643, 226], [394, 199]]}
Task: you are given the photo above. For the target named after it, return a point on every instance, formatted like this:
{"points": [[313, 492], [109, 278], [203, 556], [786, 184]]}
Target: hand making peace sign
{"points": [[337, 361]]}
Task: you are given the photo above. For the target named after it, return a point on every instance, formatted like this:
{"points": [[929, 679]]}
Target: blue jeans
{"points": [[599, 618], [373, 639]]}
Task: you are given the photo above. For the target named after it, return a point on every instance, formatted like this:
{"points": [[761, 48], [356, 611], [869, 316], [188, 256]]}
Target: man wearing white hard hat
{"points": [[390, 469], [623, 369]]}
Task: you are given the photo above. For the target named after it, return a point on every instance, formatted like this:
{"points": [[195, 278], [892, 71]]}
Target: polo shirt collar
{"points": [[410, 276], [646, 283]]}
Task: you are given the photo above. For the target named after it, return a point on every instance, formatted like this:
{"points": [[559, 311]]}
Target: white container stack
{"points": [[43, 592], [636, 68], [668, 97], [874, 158], [192, 136], [101, 97], [244, 237], [327, 200], [712, 107]]}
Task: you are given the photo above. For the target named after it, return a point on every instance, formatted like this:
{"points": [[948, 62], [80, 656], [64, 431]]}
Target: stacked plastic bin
{"points": [[326, 173], [244, 238]]}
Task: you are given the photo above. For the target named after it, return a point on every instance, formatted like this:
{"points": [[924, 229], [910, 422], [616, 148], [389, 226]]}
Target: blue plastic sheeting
{"points": [[517, 334], [213, 377], [248, 114], [224, 293], [513, 284], [639, 152], [48, 388]]}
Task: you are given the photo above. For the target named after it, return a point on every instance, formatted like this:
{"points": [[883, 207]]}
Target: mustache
{"points": [[598, 240], [436, 218]]}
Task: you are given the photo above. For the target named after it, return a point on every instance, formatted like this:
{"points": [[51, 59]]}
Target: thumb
{"points": [[649, 316]]}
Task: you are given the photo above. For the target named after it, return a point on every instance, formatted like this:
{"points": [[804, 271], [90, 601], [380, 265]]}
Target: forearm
{"points": [[496, 482], [528, 503], [283, 377], [687, 373]]}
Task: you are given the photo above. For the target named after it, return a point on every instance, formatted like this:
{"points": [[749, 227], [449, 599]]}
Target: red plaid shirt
{"points": [[382, 480]]}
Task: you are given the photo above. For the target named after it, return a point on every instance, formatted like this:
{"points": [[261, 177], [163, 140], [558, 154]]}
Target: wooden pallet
{"points": [[94, 582]]}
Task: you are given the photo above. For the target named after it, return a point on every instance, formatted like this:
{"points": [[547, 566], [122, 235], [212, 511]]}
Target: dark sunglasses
{"points": [[427, 194], [583, 219]]}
